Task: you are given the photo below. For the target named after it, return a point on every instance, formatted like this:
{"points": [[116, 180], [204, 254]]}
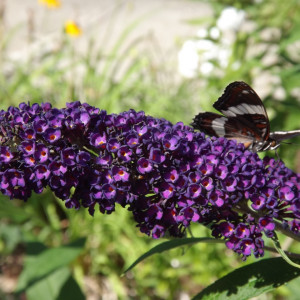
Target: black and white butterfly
{"points": [[244, 119]]}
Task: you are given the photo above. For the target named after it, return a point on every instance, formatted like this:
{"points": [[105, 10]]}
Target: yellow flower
{"points": [[50, 3], [72, 28]]}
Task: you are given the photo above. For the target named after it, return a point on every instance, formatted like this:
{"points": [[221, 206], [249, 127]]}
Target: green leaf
{"points": [[59, 285], [11, 211], [251, 280], [294, 289], [71, 291], [39, 266], [11, 235], [170, 245]]}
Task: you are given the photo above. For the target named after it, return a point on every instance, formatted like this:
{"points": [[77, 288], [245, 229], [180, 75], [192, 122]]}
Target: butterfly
{"points": [[244, 119]]}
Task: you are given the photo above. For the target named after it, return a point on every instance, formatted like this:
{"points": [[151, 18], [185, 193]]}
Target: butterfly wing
{"points": [[216, 125], [240, 101]]}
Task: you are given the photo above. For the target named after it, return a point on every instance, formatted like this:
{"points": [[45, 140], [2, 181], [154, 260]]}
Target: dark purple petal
{"points": [[144, 165], [120, 174], [171, 176], [156, 155], [51, 135], [125, 153], [5, 154], [98, 140]]}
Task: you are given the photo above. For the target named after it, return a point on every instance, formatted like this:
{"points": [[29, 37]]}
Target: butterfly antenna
{"points": [[289, 143]]}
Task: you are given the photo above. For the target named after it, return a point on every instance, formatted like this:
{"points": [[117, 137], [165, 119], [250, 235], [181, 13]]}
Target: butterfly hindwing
{"points": [[216, 125], [205, 122]]}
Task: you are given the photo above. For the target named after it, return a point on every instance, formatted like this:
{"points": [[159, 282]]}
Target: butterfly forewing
{"points": [[240, 100]]}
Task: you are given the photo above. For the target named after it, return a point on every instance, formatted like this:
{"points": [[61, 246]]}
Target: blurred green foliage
{"points": [[128, 76]]}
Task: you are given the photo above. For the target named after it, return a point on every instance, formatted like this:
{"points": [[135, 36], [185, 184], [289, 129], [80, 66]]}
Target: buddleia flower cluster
{"points": [[168, 176]]}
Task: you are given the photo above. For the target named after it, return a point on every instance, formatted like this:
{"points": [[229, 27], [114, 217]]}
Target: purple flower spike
{"points": [[167, 175]]}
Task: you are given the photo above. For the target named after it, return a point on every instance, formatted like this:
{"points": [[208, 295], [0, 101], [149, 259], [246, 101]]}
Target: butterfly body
{"points": [[244, 119]]}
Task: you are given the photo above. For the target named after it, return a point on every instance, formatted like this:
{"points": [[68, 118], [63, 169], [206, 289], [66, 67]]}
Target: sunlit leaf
{"points": [[251, 280], [42, 264], [171, 245]]}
